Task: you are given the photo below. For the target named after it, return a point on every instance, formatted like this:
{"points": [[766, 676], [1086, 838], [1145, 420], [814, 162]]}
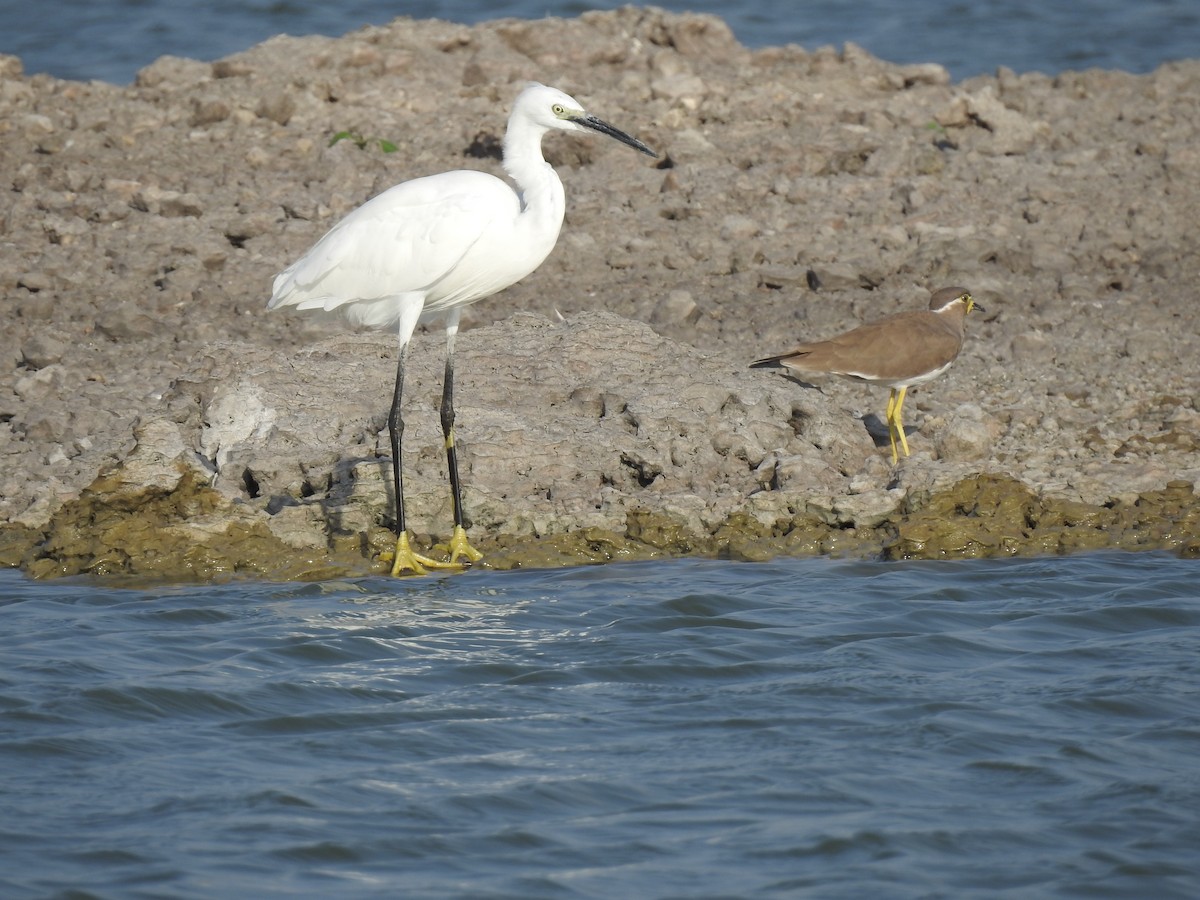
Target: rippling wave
{"points": [[699, 729]]}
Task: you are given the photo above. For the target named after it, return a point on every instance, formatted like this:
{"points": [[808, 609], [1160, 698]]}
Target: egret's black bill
{"points": [[604, 128]]}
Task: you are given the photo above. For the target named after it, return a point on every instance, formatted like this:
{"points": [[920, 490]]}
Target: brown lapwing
{"points": [[897, 352]]}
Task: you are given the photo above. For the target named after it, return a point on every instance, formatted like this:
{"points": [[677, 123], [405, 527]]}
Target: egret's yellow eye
{"points": [[559, 110]]}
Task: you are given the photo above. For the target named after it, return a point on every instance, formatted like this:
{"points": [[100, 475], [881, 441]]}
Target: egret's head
{"points": [[550, 108]]}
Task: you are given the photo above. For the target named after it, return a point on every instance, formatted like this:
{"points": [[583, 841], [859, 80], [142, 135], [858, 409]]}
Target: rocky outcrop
{"points": [[156, 421]]}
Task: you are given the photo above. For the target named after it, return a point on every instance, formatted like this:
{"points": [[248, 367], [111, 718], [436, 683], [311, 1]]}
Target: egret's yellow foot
{"points": [[406, 561], [459, 548]]}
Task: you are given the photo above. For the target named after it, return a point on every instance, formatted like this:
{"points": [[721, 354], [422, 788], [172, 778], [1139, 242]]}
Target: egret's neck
{"points": [[541, 190]]}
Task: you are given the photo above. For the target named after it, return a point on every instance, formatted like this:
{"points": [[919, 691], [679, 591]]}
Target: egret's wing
{"points": [[402, 241]]}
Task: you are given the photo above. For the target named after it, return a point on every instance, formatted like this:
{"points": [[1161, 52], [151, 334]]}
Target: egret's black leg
{"points": [[448, 433], [405, 560], [396, 434], [459, 547]]}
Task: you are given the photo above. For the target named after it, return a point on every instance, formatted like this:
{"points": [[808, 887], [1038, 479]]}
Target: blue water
{"points": [[815, 728], [112, 39]]}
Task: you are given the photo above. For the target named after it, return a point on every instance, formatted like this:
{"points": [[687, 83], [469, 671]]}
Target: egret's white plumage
{"points": [[433, 243], [428, 247]]}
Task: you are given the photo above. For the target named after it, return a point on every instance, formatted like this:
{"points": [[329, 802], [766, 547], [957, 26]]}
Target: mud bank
{"points": [[156, 421]]}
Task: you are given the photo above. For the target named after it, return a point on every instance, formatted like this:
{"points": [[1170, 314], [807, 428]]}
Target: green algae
{"points": [[187, 531], [181, 532]]}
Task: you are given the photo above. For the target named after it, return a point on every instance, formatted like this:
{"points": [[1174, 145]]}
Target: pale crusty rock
{"points": [[966, 433], [599, 415]]}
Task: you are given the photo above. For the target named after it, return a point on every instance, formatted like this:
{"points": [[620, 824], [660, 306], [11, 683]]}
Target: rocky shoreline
{"points": [[156, 422]]}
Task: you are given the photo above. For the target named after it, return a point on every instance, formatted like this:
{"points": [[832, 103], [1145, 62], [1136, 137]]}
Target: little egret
{"points": [[426, 248]]}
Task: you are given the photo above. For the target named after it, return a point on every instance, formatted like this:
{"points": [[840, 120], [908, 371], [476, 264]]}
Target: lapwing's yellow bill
{"points": [[898, 352]]}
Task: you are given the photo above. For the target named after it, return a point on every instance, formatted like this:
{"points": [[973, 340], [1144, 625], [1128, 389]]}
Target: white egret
{"points": [[426, 248]]}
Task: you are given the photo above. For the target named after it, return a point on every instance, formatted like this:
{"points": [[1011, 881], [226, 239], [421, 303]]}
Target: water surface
{"points": [[701, 729], [112, 39]]}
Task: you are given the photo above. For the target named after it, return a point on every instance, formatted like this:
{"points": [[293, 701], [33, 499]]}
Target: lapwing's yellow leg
{"points": [[896, 422], [891, 410], [900, 419]]}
